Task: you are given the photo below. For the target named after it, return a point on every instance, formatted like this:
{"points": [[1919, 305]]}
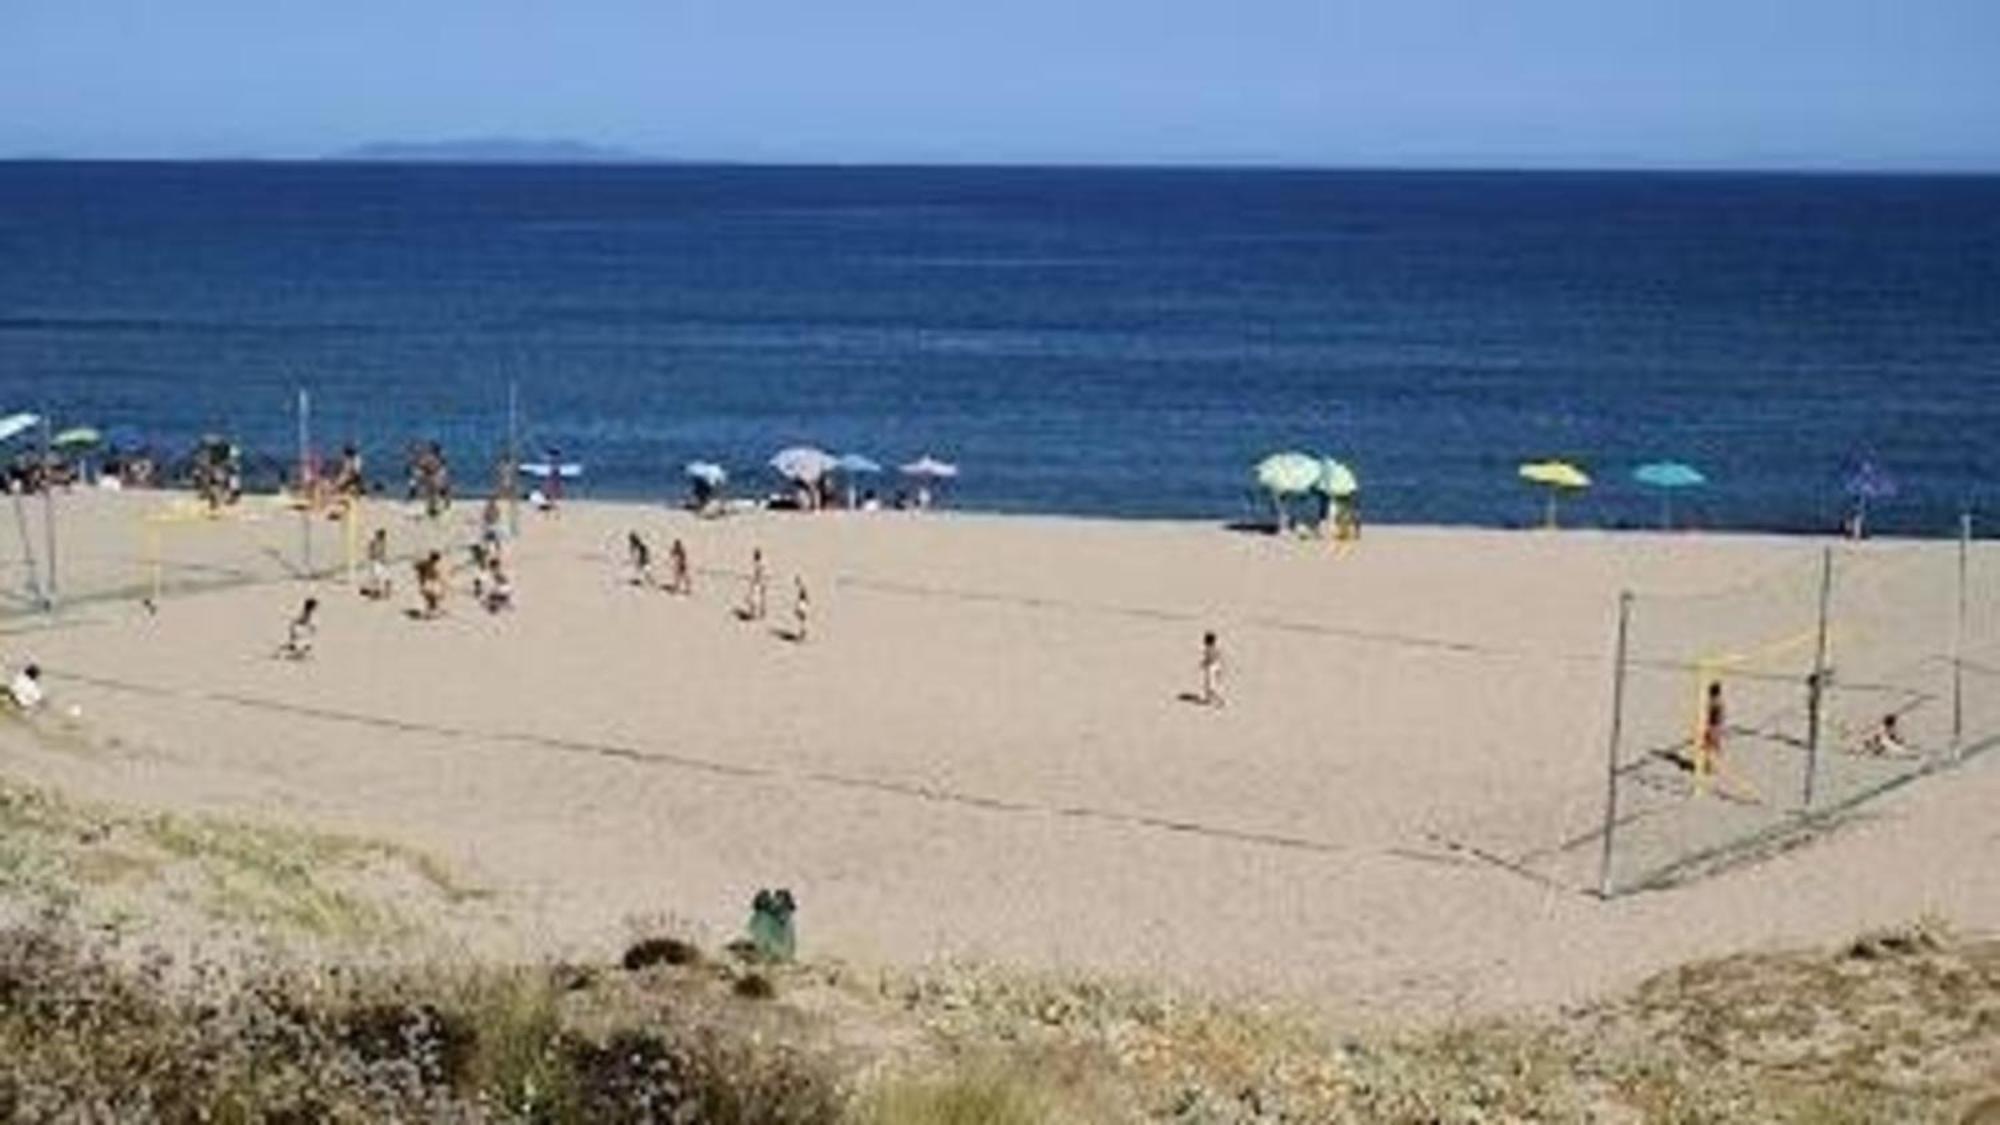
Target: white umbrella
{"points": [[804, 463], [929, 466], [14, 425], [707, 472]]}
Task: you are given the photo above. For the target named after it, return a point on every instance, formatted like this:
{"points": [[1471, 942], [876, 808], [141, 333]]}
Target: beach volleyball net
{"points": [[1745, 718], [146, 545]]}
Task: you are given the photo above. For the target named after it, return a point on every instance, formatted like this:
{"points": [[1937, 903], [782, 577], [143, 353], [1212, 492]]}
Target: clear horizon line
{"points": [[630, 159]]}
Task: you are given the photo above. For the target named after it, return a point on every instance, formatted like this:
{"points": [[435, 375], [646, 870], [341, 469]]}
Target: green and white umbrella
{"points": [[1337, 480], [77, 437], [1289, 473]]}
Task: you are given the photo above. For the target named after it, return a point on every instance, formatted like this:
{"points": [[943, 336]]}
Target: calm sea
{"points": [[1121, 342]]}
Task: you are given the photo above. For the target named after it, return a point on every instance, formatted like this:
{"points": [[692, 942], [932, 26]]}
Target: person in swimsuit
{"points": [[1714, 716], [430, 583], [754, 597], [1211, 670], [639, 554], [681, 579]]}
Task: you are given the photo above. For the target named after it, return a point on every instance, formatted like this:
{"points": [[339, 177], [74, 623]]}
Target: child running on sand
{"points": [[1211, 670], [680, 580], [299, 633]]}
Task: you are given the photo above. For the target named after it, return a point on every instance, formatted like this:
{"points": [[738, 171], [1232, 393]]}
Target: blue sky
{"points": [[1517, 83]]}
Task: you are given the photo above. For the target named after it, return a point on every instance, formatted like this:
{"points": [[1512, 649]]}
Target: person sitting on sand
{"points": [[377, 584], [26, 689], [1211, 670], [680, 578], [754, 597], [299, 633], [639, 554], [1887, 739], [430, 583]]}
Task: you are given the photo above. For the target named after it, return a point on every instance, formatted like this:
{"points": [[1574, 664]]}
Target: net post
{"points": [[1816, 682], [49, 592], [514, 459], [304, 487], [1958, 638], [1604, 886]]}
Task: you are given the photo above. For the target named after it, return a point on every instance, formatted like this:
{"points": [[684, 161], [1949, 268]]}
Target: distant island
{"points": [[490, 150]]}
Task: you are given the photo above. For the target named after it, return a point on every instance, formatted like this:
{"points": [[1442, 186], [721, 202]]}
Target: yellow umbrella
{"points": [[1557, 475]]}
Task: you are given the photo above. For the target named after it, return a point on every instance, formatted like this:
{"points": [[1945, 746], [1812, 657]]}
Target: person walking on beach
{"points": [[430, 583], [639, 554], [377, 584], [801, 608], [1708, 754], [1211, 670], [680, 579], [489, 523], [300, 631], [754, 597]]}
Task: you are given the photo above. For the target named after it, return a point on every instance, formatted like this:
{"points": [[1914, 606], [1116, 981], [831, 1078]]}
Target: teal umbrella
{"points": [[1668, 477], [14, 425]]}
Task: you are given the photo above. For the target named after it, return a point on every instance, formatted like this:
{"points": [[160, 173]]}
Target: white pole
{"points": [[513, 459], [305, 494], [1958, 637], [49, 594], [1611, 749]]}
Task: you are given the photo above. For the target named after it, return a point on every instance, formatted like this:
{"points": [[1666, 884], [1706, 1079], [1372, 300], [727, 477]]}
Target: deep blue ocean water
{"points": [[1121, 342]]}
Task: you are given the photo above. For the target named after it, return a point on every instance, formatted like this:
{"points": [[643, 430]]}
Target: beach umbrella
{"points": [[1668, 477], [930, 467], [1556, 476], [707, 472], [123, 437], [14, 425], [853, 464], [77, 437], [1336, 479], [568, 470], [803, 463], [1286, 474]]}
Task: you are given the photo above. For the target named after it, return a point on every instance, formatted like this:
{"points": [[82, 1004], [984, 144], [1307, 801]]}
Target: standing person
{"points": [[1714, 714], [300, 631], [754, 597], [377, 584], [1211, 670], [681, 580], [801, 608], [430, 583], [348, 481], [639, 554], [489, 523], [555, 478]]}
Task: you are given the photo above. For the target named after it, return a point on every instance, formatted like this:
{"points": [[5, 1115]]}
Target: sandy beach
{"points": [[980, 752]]}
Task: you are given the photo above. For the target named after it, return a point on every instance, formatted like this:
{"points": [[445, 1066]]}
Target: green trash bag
{"points": [[771, 925]]}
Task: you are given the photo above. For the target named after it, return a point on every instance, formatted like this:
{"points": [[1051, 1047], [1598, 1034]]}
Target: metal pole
{"points": [[1816, 683], [513, 459], [49, 594], [35, 586], [1958, 637], [1611, 751], [305, 487]]}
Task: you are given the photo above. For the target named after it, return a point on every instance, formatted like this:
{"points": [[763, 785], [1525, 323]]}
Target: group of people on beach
{"points": [[680, 580]]}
